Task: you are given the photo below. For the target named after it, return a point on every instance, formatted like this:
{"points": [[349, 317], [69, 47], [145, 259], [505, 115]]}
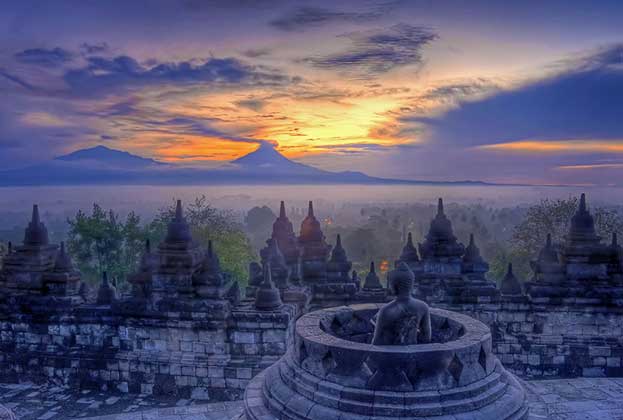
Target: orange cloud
{"points": [[591, 166], [563, 146]]}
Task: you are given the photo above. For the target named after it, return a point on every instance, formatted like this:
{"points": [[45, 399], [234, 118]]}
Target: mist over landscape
{"points": [[311, 210]]}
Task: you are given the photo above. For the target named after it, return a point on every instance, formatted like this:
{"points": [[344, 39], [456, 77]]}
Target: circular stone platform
{"points": [[331, 371]]}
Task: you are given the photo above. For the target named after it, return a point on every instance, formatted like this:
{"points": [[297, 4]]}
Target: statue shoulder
{"points": [[422, 306]]}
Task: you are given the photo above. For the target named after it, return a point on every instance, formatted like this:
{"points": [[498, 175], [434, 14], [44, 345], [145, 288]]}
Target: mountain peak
{"points": [[106, 156], [264, 155]]}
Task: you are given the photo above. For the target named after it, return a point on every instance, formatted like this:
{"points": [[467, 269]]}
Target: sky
{"points": [[513, 92]]}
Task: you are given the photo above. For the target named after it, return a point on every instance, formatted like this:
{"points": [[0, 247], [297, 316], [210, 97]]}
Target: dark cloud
{"points": [[460, 90], [582, 102], [45, 57], [15, 79], [193, 126], [257, 52], [253, 104], [379, 51], [124, 72], [303, 18], [98, 48]]}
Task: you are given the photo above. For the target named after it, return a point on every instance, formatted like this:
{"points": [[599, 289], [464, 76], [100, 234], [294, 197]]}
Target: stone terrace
{"points": [[559, 399]]}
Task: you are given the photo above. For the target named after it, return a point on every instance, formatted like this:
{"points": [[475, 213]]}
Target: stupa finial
{"points": [[582, 206], [178, 229], [179, 212], [35, 220], [310, 210], [62, 262], [267, 297], [440, 206], [372, 281], [36, 233], [282, 210], [511, 286]]}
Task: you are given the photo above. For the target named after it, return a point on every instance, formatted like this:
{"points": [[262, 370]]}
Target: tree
{"points": [[554, 217], [208, 223], [259, 222], [548, 216], [4, 249], [101, 242]]}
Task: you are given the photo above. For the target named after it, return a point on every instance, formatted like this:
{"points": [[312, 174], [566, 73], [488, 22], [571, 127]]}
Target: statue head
{"points": [[401, 280]]}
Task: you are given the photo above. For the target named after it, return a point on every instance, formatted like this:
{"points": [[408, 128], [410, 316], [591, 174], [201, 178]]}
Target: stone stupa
{"points": [[401, 360]]}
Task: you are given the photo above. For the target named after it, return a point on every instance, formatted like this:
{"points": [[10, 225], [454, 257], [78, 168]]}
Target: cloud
{"points": [[564, 127], [185, 125], [45, 57], [256, 52], [253, 104], [303, 18], [124, 72], [379, 51], [99, 48], [15, 79], [584, 101]]}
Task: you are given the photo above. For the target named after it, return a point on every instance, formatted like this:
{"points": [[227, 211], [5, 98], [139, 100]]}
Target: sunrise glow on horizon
{"points": [[439, 91]]}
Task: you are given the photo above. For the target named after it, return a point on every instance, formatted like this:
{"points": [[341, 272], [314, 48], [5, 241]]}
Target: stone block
{"points": [[599, 351], [244, 337], [273, 336], [244, 373]]}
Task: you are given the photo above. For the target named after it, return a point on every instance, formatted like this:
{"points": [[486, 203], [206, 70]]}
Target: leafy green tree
{"points": [[208, 223], [102, 242]]}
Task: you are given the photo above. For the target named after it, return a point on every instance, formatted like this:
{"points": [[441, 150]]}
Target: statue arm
{"points": [[378, 328], [425, 331]]}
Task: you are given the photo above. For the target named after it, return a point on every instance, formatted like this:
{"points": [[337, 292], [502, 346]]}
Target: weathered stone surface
{"points": [[181, 332], [582, 268], [326, 375]]}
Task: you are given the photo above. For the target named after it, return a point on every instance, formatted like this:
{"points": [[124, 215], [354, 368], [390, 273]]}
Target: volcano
{"points": [[265, 165]]}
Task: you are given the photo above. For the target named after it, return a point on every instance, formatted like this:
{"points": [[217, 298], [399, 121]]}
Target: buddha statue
{"points": [[405, 320]]}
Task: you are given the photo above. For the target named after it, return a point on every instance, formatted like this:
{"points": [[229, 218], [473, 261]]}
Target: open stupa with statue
{"points": [[401, 360]]}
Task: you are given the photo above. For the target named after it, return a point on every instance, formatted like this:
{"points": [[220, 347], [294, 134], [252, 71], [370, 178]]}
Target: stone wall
{"points": [[180, 354], [545, 340]]}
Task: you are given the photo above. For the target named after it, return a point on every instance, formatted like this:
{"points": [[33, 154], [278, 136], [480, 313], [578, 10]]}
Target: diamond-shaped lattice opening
{"points": [[328, 362], [413, 374], [482, 358], [455, 368], [302, 352], [336, 326], [445, 325]]}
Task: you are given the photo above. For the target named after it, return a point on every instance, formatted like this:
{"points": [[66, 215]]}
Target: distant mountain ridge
{"points": [[265, 165], [103, 154]]}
